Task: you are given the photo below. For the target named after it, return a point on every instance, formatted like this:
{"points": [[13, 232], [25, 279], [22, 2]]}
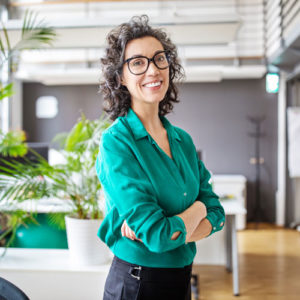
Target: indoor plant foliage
{"points": [[74, 180], [13, 143], [34, 35], [77, 182]]}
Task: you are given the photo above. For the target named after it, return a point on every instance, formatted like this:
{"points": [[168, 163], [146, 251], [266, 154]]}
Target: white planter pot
{"points": [[85, 247]]}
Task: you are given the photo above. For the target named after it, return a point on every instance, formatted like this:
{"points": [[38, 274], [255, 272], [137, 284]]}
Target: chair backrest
{"points": [[9, 291]]}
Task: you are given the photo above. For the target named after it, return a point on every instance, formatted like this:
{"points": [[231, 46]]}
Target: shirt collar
{"points": [[139, 130]]}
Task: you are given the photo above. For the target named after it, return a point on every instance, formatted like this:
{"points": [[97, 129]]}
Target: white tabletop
{"points": [[233, 207], [43, 205]]}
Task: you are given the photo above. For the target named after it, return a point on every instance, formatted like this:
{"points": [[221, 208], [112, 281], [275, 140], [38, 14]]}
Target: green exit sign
{"points": [[272, 83]]}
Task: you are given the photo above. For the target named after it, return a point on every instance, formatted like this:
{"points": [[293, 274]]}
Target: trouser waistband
{"points": [[152, 274]]}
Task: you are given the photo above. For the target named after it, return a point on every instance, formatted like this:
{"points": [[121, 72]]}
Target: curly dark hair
{"points": [[117, 99]]}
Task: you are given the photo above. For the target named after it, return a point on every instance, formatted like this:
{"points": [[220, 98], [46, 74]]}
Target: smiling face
{"points": [[150, 87]]}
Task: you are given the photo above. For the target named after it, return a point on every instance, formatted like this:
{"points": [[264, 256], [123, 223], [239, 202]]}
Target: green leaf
{"points": [[57, 220], [34, 34], [2, 49], [15, 219], [60, 138], [6, 91], [12, 143], [6, 38], [77, 135]]}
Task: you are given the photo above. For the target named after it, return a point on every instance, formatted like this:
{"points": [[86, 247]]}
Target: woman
{"points": [[158, 194]]}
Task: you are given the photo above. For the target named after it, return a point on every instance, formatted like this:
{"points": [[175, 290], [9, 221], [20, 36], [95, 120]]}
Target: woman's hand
{"points": [[127, 232], [202, 231], [191, 217], [203, 210]]}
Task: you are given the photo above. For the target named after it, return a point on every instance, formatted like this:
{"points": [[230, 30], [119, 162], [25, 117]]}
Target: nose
{"points": [[152, 69]]}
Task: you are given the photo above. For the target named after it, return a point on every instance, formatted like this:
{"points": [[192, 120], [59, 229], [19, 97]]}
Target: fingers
{"points": [[127, 232], [123, 229]]}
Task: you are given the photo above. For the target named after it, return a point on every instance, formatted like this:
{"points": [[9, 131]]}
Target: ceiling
{"points": [[216, 40]]}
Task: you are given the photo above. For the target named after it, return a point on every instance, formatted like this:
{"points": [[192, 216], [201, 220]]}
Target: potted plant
{"points": [[78, 183], [34, 35], [72, 179]]}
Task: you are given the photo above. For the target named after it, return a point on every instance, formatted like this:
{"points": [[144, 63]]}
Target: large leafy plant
{"points": [[73, 179], [34, 35], [76, 178]]}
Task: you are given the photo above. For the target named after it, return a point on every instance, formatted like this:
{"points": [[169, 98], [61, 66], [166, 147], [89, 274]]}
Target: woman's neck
{"points": [[148, 114]]}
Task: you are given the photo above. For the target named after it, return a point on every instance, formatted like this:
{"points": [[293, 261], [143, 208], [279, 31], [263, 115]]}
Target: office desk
{"points": [[232, 210], [221, 248]]}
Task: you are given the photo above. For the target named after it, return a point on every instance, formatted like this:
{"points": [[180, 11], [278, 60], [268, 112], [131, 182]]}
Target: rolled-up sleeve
{"points": [[128, 188], [215, 211]]}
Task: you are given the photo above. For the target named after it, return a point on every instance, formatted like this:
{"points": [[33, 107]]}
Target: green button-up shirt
{"points": [[147, 188]]}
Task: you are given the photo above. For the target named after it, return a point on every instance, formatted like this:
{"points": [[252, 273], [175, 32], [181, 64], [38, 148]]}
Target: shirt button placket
{"points": [[184, 200]]}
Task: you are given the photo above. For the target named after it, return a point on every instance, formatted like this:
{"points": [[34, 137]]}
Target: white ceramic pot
{"points": [[85, 247]]}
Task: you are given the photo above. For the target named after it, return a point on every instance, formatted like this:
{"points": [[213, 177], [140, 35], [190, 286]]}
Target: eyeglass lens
{"points": [[139, 65]]}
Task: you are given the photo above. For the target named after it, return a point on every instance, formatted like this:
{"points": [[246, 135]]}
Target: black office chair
{"points": [[9, 291], [194, 287]]}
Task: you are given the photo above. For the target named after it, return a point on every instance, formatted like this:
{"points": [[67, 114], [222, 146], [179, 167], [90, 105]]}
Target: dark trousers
{"points": [[126, 281]]}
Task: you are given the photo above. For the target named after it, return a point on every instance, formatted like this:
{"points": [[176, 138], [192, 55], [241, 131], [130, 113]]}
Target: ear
{"points": [[122, 81]]}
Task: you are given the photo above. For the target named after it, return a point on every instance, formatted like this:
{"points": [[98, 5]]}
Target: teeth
{"points": [[153, 84]]}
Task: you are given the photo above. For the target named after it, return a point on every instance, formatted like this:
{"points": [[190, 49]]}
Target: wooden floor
{"points": [[269, 265]]}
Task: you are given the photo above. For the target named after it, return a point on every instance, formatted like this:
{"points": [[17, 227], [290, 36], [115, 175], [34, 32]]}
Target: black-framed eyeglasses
{"points": [[139, 65]]}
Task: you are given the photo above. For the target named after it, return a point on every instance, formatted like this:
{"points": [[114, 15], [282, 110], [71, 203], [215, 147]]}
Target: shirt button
{"points": [[214, 228], [184, 194]]}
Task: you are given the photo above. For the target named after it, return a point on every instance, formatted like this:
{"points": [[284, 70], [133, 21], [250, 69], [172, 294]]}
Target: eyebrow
{"points": [[138, 55]]}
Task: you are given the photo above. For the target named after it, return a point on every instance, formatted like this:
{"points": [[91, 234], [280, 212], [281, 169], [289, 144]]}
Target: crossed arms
{"points": [[195, 221]]}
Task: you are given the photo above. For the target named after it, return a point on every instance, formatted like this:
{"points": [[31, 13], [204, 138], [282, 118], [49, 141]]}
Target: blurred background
{"points": [[239, 101]]}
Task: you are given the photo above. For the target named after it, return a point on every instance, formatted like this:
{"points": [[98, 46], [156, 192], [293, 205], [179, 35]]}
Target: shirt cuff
{"points": [[217, 222], [178, 225]]}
